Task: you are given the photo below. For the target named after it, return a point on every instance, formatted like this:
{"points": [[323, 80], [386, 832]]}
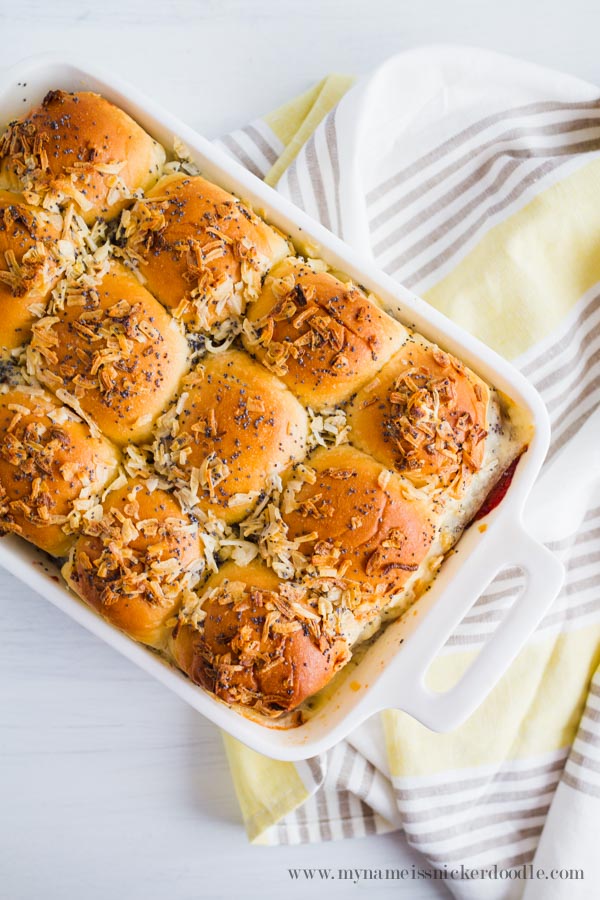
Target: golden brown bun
{"points": [[48, 461], [259, 643], [361, 522], [78, 147], [424, 415], [28, 267], [202, 252], [137, 563], [116, 350], [322, 337], [237, 424]]}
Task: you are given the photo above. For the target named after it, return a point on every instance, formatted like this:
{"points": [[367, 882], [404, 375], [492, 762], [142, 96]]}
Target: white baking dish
{"points": [[389, 675]]}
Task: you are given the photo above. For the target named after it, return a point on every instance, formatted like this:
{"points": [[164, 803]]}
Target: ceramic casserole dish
{"points": [[391, 674]]}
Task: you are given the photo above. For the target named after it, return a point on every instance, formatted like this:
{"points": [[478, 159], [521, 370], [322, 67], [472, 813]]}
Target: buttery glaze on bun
{"points": [[202, 252], [138, 562], [256, 641], [51, 468], [28, 266], [233, 427], [322, 337], [116, 350], [79, 148], [424, 415], [357, 523]]}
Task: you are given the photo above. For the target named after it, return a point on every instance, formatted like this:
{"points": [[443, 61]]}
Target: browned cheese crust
{"points": [[257, 641], [424, 415], [202, 252], [79, 148], [322, 337], [358, 526], [28, 265], [236, 425], [48, 461], [137, 563], [116, 350]]}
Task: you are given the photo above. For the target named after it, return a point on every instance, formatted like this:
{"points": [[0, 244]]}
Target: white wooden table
{"points": [[110, 787]]}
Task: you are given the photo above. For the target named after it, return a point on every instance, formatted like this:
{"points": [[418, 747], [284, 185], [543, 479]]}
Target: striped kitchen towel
{"points": [[474, 180]]}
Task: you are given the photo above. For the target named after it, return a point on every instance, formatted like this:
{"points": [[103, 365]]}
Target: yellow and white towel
{"points": [[474, 180]]}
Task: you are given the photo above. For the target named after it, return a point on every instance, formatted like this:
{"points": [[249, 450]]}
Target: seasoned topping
{"points": [[138, 560], [322, 337], [424, 421], [213, 250], [33, 275], [31, 261], [262, 647], [116, 352], [142, 558], [51, 469], [354, 522], [229, 432], [425, 415], [77, 148]]}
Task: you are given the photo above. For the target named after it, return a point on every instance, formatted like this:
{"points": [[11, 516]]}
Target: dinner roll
{"points": [[201, 250], [256, 641], [233, 428], [322, 337], [29, 266], [138, 562], [79, 148], [116, 350], [425, 415], [51, 468], [357, 522]]}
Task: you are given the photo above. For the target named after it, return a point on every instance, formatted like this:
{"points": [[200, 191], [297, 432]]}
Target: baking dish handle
{"points": [[445, 710]]}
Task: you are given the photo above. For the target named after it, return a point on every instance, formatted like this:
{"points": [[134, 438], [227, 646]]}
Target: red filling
{"points": [[498, 492]]}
